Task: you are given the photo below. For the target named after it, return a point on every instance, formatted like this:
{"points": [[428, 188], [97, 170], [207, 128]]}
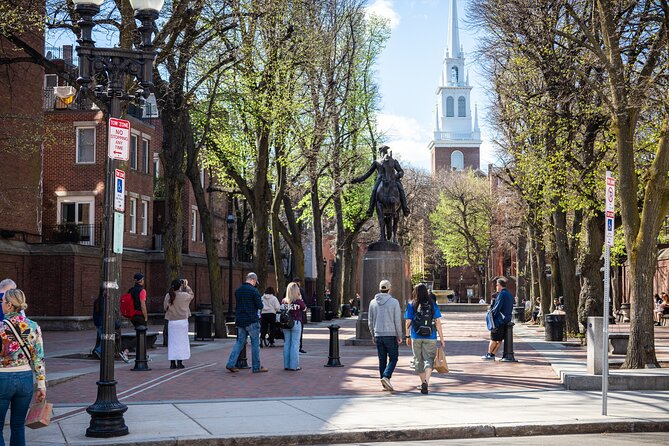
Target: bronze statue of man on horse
{"points": [[388, 194]]}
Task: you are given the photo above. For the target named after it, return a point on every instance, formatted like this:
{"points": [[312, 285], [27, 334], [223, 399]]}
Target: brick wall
{"points": [[441, 157]]}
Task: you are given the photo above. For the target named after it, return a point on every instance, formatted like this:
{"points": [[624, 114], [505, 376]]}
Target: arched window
{"points": [[457, 160], [454, 75], [461, 106], [449, 107]]}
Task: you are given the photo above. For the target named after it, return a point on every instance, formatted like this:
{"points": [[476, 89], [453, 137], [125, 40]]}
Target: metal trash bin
{"points": [[204, 325], [519, 314], [316, 314], [554, 327]]}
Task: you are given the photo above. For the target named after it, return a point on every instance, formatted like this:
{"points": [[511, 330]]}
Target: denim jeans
{"points": [[16, 389], [387, 348], [291, 346], [253, 332]]}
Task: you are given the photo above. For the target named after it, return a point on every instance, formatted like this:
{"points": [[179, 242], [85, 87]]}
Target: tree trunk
{"points": [[567, 269], [521, 269], [540, 270], [318, 242], [589, 263]]}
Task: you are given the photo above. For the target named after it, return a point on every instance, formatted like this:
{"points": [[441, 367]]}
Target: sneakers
{"points": [[423, 388], [302, 351], [488, 356], [260, 370], [232, 369], [124, 356], [385, 382], [95, 354]]}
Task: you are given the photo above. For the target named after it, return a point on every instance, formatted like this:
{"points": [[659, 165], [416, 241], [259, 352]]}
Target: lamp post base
{"points": [[107, 413]]}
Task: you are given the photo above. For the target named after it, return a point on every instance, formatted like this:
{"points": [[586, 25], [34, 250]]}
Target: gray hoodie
{"points": [[385, 316]]}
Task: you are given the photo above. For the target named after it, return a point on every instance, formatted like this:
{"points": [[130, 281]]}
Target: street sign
{"points": [[119, 139], [119, 190], [610, 214], [118, 232]]}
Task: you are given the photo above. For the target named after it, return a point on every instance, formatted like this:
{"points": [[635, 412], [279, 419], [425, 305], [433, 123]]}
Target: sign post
{"points": [[609, 238]]}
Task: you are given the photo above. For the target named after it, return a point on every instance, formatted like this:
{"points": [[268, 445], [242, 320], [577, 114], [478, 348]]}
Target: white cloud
{"points": [[384, 8], [407, 139]]}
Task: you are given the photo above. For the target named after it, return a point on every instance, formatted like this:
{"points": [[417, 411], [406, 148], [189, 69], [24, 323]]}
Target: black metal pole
{"points": [[230, 317], [141, 363], [333, 356], [508, 344]]}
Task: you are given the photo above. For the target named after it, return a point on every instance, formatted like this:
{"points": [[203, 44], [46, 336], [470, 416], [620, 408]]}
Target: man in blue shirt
{"points": [[500, 313], [248, 301]]}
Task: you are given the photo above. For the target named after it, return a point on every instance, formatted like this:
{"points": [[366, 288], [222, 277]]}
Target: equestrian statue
{"points": [[387, 195]]}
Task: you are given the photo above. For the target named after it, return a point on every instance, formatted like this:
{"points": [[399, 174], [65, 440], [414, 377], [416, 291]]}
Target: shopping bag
{"points": [[440, 364], [39, 415]]}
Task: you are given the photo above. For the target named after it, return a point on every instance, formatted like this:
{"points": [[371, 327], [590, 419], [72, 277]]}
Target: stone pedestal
{"points": [[595, 345], [383, 260]]}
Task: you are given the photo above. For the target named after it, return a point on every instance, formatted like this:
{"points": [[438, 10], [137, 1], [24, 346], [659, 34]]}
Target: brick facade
{"points": [[441, 157]]}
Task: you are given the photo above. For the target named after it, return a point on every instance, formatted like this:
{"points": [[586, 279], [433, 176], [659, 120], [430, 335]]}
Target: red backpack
{"points": [[127, 306]]}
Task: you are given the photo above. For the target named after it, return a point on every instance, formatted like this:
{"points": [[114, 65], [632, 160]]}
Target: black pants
{"points": [[267, 326]]}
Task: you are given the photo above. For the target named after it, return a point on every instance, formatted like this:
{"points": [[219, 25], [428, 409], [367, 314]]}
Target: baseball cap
{"points": [[138, 277], [384, 285]]}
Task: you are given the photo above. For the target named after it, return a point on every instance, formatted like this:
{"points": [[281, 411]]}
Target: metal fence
{"points": [[72, 233]]}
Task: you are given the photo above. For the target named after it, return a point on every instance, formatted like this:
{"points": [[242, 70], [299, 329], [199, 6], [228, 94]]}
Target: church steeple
{"points": [[453, 38]]}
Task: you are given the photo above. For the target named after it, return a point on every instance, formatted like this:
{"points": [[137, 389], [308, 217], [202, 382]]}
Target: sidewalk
{"points": [[204, 404]]}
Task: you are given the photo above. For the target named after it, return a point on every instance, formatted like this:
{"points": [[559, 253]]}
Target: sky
{"points": [[408, 73]]}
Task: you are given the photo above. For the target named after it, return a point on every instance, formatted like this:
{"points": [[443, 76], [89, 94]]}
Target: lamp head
{"points": [[140, 5], [97, 3]]}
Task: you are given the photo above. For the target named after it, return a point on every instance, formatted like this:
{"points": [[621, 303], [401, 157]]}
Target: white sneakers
{"points": [[385, 382]]}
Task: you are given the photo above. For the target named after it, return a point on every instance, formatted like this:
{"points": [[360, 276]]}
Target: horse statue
{"points": [[388, 202]]}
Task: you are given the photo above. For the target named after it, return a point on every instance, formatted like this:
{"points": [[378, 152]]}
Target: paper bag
{"points": [[39, 415], [440, 364]]}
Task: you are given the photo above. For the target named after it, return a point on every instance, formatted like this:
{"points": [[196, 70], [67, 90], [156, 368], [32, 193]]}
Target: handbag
{"points": [[440, 364], [39, 414]]}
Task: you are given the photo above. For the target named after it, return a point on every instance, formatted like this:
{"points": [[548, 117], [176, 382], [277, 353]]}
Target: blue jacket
{"points": [[248, 302], [502, 309]]}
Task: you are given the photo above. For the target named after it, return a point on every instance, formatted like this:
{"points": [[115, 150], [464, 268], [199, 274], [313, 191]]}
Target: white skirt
{"points": [[178, 343]]}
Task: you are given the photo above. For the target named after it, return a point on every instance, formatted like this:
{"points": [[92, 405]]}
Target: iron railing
{"points": [[72, 233]]}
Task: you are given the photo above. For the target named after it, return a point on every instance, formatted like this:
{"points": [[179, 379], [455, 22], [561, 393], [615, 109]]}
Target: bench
{"points": [[129, 342], [665, 320], [619, 343]]}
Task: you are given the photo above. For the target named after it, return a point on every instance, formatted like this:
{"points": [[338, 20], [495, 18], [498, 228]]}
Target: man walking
{"points": [[385, 325], [498, 317], [246, 319]]}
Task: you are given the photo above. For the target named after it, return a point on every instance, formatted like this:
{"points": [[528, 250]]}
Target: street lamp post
{"points": [[230, 221], [110, 67]]}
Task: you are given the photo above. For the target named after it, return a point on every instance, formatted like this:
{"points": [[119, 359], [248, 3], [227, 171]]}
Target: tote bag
{"points": [[440, 364]]}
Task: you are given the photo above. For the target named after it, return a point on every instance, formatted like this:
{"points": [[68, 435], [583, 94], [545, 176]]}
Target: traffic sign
{"points": [[610, 213], [119, 139], [119, 190]]}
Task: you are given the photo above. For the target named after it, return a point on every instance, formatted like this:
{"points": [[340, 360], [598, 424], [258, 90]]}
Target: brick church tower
{"points": [[456, 143]]}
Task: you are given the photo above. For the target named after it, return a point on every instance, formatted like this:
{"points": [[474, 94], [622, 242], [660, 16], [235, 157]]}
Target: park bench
{"points": [[619, 343], [665, 320], [128, 340]]}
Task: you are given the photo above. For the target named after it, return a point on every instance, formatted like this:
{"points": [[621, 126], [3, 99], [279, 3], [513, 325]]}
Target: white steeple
{"points": [[453, 38]]}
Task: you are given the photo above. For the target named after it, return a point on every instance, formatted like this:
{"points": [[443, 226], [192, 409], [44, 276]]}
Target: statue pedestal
{"points": [[382, 261]]}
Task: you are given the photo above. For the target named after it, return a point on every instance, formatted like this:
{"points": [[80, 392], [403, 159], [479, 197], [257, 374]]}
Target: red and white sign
{"points": [[119, 139], [610, 213], [119, 190]]}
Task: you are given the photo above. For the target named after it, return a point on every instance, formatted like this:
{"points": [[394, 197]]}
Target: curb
{"points": [[455, 432]]}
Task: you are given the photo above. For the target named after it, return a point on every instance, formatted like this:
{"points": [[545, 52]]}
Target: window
{"points": [[133, 215], [454, 75], [449, 107], [462, 103], [457, 160], [133, 152], [50, 81], [77, 213], [156, 166], [193, 226], [144, 217], [145, 156], [85, 145]]}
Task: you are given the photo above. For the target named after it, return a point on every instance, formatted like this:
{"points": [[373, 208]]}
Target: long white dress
{"points": [[178, 343]]}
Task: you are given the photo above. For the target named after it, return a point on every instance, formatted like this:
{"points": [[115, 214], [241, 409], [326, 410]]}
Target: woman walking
{"points": [[16, 374], [177, 311], [291, 336], [270, 306], [422, 325]]}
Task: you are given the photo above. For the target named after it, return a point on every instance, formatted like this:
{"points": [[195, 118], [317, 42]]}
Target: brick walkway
{"points": [[205, 377]]}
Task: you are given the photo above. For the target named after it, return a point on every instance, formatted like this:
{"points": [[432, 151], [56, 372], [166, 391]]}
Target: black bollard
{"points": [[242, 362], [333, 357], [508, 344], [141, 363]]}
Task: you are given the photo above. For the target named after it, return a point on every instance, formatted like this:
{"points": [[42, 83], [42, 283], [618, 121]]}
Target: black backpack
{"points": [[285, 318], [423, 320]]}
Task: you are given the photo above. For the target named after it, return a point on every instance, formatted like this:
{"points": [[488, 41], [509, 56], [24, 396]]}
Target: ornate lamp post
{"points": [[230, 221], [110, 67]]}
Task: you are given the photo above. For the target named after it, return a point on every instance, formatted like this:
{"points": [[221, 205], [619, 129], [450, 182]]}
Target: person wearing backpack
{"points": [[498, 316], [141, 314], [422, 325], [385, 325], [295, 307]]}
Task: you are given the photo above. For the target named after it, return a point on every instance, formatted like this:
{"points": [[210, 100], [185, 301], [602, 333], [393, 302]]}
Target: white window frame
{"points": [[156, 165], [78, 199], [193, 224], [132, 161], [145, 155], [133, 215], [76, 147], [457, 155], [450, 107], [144, 217]]}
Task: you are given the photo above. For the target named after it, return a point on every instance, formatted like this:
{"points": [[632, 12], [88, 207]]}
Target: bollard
{"points": [[333, 357], [508, 344], [242, 362], [141, 364]]}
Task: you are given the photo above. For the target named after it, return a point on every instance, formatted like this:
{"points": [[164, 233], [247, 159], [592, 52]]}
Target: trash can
{"points": [[519, 314], [554, 324], [329, 311], [204, 323], [346, 310], [316, 314]]}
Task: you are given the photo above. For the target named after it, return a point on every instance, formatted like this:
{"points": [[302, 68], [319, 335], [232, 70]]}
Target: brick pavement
{"points": [[206, 379]]}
